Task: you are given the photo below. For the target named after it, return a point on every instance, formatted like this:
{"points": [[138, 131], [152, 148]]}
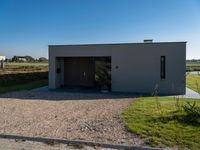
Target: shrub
{"points": [[192, 112]]}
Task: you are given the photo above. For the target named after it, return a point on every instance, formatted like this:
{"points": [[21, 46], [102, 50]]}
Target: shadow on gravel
{"points": [[67, 95], [63, 94], [73, 142]]}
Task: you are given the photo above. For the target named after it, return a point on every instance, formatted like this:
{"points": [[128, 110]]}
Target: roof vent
{"points": [[148, 41]]}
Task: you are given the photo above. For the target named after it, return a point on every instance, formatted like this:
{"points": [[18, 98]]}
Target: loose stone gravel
{"points": [[69, 115]]}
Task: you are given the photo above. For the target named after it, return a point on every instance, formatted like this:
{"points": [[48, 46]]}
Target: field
{"points": [[25, 67], [13, 64], [23, 76], [163, 122], [193, 66]]}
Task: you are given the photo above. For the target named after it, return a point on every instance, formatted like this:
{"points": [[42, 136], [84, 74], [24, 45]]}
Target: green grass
{"points": [[28, 85], [153, 119], [193, 82]]}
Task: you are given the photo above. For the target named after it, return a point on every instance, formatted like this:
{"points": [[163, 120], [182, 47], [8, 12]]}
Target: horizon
{"points": [[28, 27]]}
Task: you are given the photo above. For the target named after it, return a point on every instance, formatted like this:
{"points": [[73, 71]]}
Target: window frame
{"points": [[162, 67]]}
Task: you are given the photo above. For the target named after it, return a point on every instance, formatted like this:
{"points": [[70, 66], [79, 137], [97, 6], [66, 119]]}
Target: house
{"points": [[21, 59], [2, 57], [146, 67]]}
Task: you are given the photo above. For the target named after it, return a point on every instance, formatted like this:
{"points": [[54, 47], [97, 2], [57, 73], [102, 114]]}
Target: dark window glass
{"points": [[162, 67], [58, 70]]}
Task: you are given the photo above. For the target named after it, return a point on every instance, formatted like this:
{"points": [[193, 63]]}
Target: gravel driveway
{"points": [[74, 116]]}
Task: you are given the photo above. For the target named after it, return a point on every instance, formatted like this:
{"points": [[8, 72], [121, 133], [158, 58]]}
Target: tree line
{"points": [[26, 59]]}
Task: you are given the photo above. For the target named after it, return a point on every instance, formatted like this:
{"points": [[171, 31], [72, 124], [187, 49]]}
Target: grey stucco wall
{"points": [[138, 65]]}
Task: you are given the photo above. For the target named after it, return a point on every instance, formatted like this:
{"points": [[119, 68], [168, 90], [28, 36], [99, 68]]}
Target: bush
{"points": [[192, 112], [103, 74]]}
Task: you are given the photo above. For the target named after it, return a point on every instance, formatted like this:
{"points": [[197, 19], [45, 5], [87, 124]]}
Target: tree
{"points": [[23, 58], [103, 74], [15, 58], [29, 59], [42, 59]]}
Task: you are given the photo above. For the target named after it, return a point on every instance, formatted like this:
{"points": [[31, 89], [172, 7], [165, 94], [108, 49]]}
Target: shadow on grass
{"points": [[17, 78], [181, 118], [10, 82]]}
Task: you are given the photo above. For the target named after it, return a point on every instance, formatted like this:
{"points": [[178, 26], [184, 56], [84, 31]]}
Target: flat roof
{"points": [[119, 43]]}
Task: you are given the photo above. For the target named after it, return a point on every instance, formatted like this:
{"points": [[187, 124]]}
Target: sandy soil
{"points": [[75, 116]]}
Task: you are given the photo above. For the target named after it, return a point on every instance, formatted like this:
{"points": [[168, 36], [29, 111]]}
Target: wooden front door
{"points": [[79, 72]]}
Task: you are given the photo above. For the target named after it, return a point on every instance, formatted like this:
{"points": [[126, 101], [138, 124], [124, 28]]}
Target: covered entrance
{"points": [[79, 71], [85, 71]]}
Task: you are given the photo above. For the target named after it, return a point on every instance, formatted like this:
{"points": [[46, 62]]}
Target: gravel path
{"points": [[73, 116]]}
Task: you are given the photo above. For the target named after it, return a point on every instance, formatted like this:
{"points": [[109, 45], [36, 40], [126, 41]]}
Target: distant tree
{"points": [[14, 59], [29, 59], [42, 59], [8, 60], [23, 59]]}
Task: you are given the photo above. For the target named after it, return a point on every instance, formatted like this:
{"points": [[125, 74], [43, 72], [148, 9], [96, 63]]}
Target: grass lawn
{"points": [[193, 82], [28, 85], [161, 122]]}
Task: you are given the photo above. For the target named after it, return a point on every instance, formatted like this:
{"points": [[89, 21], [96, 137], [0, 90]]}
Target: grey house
{"points": [[135, 67]]}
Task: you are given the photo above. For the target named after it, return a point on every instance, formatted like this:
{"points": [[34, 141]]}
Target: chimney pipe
{"points": [[148, 41]]}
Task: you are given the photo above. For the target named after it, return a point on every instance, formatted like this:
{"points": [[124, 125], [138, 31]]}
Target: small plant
{"points": [[197, 85], [158, 105], [192, 110], [155, 94], [76, 146], [155, 91], [51, 142], [177, 104], [20, 140]]}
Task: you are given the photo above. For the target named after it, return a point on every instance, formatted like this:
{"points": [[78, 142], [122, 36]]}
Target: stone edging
{"points": [[64, 141]]}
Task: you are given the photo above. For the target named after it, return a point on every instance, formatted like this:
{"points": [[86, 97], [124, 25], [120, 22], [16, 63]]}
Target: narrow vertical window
{"points": [[162, 67]]}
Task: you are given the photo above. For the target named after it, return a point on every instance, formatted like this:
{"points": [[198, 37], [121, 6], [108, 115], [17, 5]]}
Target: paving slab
{"points": [[190, 94]]}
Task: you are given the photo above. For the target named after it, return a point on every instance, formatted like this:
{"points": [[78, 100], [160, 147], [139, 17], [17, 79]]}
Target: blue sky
{"points": [[27, 27]]}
